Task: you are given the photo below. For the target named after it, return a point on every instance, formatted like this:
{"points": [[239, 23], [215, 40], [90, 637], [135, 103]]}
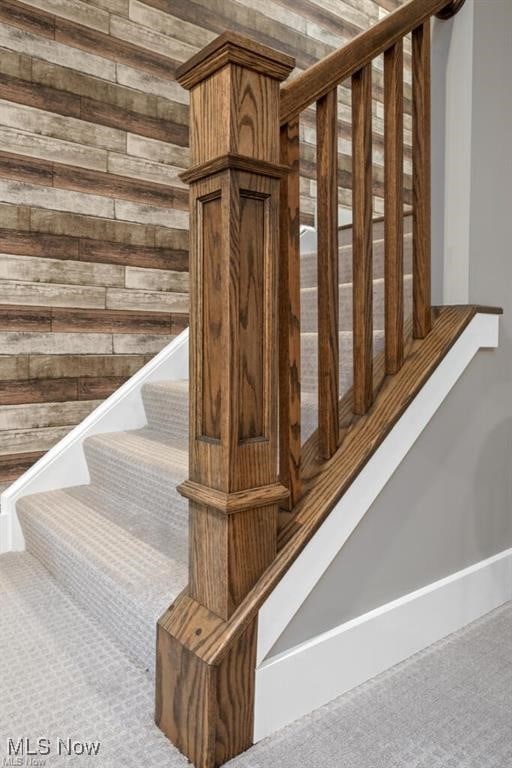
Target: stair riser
{"points": [[167, 413], [309, 309], [136, 483], [308, 263], [309, 361], [130, 624]]}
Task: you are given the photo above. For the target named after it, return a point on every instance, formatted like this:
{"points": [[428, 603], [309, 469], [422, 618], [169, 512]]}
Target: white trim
{"points": [[64, 464], [304, 678], [295, 586]]}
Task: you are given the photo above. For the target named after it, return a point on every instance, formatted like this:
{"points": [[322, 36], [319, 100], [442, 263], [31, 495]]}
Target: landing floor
{"points": [[62, 678]]}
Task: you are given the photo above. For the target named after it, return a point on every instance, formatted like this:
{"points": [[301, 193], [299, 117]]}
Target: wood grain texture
{"points": [[14, 464], [336, 475], [94, 182], [322, 77], [233, 383], [198, 708], [289, 315], [362, 239], [328, 312], [421, 181], [393, 208]]}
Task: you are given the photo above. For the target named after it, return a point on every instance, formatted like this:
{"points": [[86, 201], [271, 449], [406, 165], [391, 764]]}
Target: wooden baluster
{"points": [[234, 493], [421, 180], [328, 294], [289, 316], [362, 238], [393, 207]]}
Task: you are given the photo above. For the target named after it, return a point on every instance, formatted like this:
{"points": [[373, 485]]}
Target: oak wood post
{"points": [[328, 279], [289, 316], [233, 486], [421, 181], [362, 256], [394, 207]]}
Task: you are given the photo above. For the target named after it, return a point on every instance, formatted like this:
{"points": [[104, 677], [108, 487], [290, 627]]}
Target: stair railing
{"points": [[244, 278], [318, 86]]}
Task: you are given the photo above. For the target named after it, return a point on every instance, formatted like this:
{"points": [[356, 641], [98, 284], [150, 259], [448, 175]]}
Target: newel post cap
{"points": [[232, 48]]}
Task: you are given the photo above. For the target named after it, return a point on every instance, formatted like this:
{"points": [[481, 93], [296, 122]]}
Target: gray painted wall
{"points": [[449, 504]]}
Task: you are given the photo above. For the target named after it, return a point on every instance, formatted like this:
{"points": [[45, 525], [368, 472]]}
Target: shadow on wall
{"points": [[494, 468]]}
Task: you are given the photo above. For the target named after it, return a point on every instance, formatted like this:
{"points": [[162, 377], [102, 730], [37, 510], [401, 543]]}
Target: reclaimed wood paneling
{"points": [[93, 215]]}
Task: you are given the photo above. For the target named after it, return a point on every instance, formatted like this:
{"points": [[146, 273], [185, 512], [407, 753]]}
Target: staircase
{"points": [[301, 364], [119, 545]]}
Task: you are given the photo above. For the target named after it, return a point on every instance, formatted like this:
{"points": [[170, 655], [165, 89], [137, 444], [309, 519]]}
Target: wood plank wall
{"points": [[93, 216]]}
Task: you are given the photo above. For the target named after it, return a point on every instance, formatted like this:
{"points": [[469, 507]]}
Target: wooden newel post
{"points": [[233, 488]]}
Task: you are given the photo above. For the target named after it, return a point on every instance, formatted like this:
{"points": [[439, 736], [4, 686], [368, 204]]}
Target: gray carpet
{"points": [[119, 545], [62, 677], [117, 548], [449, 706]]}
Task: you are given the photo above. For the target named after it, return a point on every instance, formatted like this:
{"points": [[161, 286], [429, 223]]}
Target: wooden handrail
{"points": [[318, 80], [246, 452]]}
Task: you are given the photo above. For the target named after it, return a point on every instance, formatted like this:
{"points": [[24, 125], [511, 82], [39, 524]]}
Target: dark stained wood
{"points": [[77, 35], [450, 10], [322, 77], [27, 169], [234, 207], [113, 48], [289, 315], [91, 388], [38, 391], [21, 318], [70, 104], [179, 321], [362, 239], [12, 465], [38, 244], [58, 390], [39, 96], [68, 320], [134, 122], [131, 255], [328, 295], [421, 180], [393, 207], [88, 249], [95, 182], [112, 185], [27, 17]]}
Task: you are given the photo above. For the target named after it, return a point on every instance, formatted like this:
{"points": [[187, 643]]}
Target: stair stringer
{"points": [[65, 465], [276, 702]]}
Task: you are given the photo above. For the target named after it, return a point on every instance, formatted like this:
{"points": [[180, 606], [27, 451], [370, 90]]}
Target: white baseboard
{"points": [[286, 599], [313, 673]]}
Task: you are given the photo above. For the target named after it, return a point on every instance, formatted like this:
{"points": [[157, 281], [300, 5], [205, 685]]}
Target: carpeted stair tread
{"points": [[120, 580], [164, 532], [166, 407], [139, 467]]}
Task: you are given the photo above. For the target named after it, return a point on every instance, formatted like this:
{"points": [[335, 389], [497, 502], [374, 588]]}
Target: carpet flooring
{"points": [[62, 677]]}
